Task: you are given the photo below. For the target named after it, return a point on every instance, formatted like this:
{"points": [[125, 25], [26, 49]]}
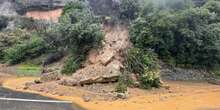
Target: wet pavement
{"points": [[11, 100]]}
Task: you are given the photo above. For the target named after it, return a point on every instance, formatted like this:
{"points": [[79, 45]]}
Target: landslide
{"points": [[104, 65]]}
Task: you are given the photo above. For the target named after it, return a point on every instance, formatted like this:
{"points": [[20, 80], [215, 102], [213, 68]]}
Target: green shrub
{"points": [[10, 38], [145, 65], [27, 49], [72, 64], [148, 80], [122, 85]]}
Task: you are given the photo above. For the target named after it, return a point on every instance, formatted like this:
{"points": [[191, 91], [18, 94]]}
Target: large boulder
{"points": [[93, 74], [50, 74]]}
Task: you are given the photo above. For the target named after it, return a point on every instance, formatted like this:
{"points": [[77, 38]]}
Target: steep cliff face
{"points": [[42, 4], [100, 7], [50, 15]]}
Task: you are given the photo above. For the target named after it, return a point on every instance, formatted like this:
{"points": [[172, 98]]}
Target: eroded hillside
{"points": [[104, 65]]}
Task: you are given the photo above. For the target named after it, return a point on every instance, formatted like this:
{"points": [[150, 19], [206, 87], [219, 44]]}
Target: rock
{"points": [[25, 88], [122, 95], [29, 84], [86, 98], [52, 76], [106, 57], [214, 81], [115, 64], [37, 81], [92, 57], [92, 74], [136, 84], [167, 87], [68, 82]]}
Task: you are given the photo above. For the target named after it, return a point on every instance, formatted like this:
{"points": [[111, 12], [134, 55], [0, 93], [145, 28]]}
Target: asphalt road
{"points": [[11, 100]]}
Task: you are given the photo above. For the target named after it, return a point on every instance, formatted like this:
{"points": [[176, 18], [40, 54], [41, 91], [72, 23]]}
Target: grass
{"points": [[28, 70]]}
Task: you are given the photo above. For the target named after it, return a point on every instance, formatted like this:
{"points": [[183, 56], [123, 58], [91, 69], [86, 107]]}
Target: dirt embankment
{"points": [[50, 15]]}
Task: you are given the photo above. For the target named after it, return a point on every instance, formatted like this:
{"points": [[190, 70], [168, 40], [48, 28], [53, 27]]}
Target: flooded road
{"points": [[11, 100]]}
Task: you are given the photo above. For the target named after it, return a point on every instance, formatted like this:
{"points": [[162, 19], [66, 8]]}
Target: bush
{"points": [[72, 64], [122, 85], [145, 65], [27, 49]]}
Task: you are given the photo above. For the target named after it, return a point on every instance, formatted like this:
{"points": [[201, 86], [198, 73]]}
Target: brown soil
{"points": [[51, 15], [116, 41], [178, 96], [3, 77]]}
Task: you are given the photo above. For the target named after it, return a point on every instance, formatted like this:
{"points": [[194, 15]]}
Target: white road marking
{"points": [[30, 100]]}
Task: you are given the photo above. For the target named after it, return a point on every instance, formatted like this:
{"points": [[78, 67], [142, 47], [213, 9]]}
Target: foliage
{"points": [[121, 86], [10, 38], [31, 24], [187, 36], [72, 64], [27, 49], [145, 64], [214, 7], [79, 28], [128, 9]]}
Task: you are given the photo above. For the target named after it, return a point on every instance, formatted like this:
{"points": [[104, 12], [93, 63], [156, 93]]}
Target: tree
{"points": [[129, 9], [187, 36]]}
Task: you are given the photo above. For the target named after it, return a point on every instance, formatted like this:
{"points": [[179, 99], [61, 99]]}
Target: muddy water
{"points": [[51, 15]]}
